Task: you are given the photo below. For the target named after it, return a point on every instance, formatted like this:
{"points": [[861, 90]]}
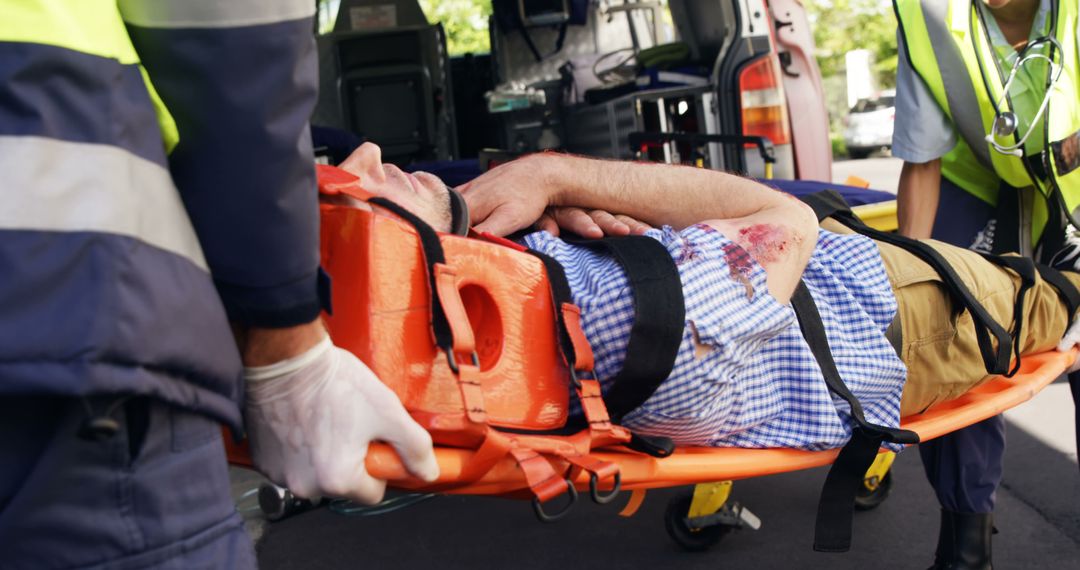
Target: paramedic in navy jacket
{"points": [[157, 187]]}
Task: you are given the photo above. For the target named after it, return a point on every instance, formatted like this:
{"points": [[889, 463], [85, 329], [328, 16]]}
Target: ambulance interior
{"points": [[579, 76]]}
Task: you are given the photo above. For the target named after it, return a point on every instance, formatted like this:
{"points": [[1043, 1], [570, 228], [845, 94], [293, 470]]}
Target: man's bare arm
{"points": [[777, 230], [917, 198]]}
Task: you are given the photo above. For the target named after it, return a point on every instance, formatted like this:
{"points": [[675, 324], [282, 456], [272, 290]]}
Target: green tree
{"points": [[465, 22], [843, 25]]}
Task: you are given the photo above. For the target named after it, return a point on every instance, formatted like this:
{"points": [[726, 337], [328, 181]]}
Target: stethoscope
{"points": [[1005, 122]]}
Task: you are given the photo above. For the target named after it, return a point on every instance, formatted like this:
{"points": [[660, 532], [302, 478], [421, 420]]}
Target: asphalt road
{"points": [[1038, 517], [1038, 512]]}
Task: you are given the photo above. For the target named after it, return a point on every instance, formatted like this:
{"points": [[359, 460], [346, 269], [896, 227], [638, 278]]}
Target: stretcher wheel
{"points": [[692, 539], [867, 499]]}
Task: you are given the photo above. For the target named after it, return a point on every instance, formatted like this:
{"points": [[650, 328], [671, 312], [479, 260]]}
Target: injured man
{"points": [[744, 376]]}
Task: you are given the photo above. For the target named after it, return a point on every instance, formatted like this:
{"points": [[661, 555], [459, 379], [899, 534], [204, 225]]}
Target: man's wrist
{"points": [[264, 346], [557, 181]]}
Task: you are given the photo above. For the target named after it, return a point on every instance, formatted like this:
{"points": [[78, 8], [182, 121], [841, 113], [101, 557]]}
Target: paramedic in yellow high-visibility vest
{"points": [[988, 125], [158, 248]]}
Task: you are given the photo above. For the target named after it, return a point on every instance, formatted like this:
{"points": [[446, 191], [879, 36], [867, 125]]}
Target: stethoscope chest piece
{"points": [[1005, 124]]}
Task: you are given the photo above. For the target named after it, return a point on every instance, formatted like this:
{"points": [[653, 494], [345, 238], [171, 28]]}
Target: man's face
{"points": [[421, 193]]}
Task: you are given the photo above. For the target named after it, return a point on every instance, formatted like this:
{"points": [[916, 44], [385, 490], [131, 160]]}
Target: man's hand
{"points": [[589, 223], [311, 417], [513, 196]]}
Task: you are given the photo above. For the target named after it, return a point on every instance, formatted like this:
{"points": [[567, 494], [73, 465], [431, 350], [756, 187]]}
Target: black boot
{"points": [[971, 547], [944, 552]]}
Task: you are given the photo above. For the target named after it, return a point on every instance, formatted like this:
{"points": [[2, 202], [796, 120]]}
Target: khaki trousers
{"points": [[939, 348]]}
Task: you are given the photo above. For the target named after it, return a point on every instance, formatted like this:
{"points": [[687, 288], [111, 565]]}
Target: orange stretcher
{"points": [[495, 298], [689, 465], [494, 391]]}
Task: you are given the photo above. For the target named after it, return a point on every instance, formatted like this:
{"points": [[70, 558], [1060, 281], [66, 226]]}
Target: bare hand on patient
{"points": [[310, 418], [589, 223], [527, 192], [512, 196]]}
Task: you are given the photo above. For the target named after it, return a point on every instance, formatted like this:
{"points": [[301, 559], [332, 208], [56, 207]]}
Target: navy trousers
{"points": [[965, 466], [155, 495]]}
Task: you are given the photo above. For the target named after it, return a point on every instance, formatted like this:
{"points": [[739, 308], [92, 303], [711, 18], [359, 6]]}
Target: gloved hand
{"points": [[1071, 339], [310, 419]]}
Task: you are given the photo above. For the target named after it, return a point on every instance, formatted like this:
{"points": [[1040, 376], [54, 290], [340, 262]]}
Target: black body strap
{"points": [[832, 531], [995, 343], [833, 528], [813, 330], [659, 319], [560, 293], [1066, 290], [1025, 268]]}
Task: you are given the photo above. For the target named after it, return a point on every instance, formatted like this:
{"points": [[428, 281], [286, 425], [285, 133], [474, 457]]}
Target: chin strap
{"points": [[459, 213]]}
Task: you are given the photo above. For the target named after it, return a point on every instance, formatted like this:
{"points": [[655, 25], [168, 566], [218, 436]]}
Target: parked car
{"points": [[869, 124]]}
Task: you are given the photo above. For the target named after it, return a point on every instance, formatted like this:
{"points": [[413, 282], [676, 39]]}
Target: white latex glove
{"points": [[310, 419], [1071, 339]]}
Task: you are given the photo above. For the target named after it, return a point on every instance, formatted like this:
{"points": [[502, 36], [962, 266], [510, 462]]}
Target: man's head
{"points": [[421, 193]]}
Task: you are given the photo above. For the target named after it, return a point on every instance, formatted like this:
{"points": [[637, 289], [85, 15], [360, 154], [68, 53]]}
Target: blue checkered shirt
{"points": [[744, 376]]}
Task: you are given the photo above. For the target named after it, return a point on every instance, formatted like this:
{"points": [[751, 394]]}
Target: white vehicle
{"points": [[869, 124]]}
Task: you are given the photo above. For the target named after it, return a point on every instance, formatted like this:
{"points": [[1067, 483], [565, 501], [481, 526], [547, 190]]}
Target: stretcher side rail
{"points": [[689, 465]]}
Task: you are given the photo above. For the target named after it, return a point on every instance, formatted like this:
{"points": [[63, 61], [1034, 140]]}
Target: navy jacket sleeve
{"points": [[239, 77]]}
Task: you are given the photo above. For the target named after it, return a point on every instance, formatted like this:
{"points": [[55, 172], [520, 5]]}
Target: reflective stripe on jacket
{"points": [[941, 39], [110, 247]]}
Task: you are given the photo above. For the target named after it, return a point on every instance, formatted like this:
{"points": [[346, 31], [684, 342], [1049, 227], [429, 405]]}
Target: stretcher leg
{"points": [[709, 498], [876, 483], [699, 520]]}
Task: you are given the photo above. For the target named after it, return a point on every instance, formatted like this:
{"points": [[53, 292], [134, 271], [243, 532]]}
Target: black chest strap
{"points": [[655, 335], [659, 318]]}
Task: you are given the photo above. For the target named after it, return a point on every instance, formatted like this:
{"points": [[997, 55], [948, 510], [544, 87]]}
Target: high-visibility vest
{"points": [[89, 26], [105, 284], [126, 177], [942, 39]]}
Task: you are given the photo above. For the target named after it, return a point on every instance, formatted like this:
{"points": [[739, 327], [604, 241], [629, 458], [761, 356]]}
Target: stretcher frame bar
{"points": [[701, 465]]}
